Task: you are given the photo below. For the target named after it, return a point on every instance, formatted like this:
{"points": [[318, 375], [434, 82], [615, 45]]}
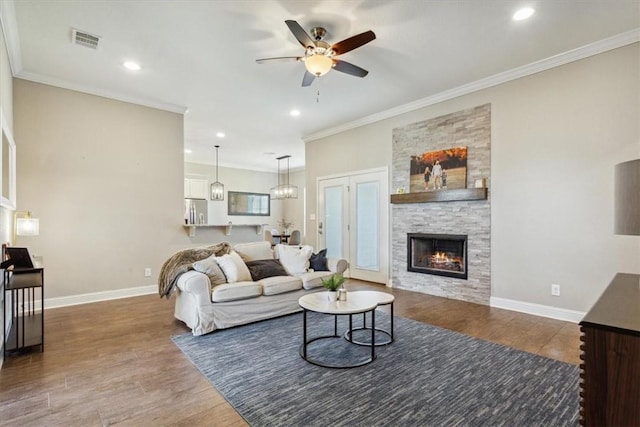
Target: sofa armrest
{"points": [[337, 265], [196, 283]]}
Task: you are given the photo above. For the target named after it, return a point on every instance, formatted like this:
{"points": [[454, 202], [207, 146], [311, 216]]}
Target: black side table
{"points": [[27, 323]]}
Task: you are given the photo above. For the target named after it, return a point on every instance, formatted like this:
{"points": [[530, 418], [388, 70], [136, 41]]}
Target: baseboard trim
{"points": [[98, 296], [537, 309]]}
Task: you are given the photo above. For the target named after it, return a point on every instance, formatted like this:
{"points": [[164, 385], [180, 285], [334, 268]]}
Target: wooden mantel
{"points": [[456, 195]]}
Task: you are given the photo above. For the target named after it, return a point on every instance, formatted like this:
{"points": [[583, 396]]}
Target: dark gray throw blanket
{"points": [[182, 261]]}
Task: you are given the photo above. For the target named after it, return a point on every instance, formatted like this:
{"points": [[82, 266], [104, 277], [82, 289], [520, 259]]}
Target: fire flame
{"points": [[440, 256]]}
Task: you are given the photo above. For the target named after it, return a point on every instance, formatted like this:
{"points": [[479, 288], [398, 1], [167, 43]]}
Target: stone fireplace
{"points": [[438, 254], [469, 128]]}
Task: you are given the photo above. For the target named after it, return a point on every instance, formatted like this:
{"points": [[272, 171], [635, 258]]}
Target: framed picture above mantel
{"points": [[438, 170]]}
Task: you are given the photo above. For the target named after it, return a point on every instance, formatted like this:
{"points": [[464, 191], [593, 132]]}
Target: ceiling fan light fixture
{"points": [[318, 65], [524, 13]]}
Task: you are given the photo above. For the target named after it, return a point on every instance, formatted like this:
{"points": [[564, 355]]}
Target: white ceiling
{"points": [[200, 56]]}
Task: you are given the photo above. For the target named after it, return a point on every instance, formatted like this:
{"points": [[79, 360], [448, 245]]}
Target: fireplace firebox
{"points": [[439, 254]]}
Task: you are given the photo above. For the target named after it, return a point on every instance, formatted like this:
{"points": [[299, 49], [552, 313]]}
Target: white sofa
{"points": [[205, 308]]}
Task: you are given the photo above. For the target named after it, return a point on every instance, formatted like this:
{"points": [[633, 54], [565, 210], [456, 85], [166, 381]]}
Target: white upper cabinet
{"points": [[195, 188]]}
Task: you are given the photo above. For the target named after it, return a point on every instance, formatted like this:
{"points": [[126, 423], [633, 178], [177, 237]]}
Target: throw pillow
{"points": [[294, 259], [263, 268], [254, 251], [210, 267], [234, 268], [319, 261]]}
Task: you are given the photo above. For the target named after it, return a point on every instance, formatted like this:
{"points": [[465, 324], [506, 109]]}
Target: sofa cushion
{"points": [[318, 262], [210, 267], [233, 268], [236, 291], [263, 268], [294, 259], [280, 284], [313, 279], [254, 251]]}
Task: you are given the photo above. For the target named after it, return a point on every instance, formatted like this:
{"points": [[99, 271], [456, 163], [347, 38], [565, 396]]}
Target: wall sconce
{"points": [[25, 225]]}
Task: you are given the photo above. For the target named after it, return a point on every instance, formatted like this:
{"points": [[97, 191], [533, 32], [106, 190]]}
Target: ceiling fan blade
{"points": [[279, 58], [307, 79], [348, 68], [354, 42], [300, 34]]}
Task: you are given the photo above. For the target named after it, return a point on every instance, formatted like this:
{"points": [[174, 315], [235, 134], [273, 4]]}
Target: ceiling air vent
{"points": [[85, 39]]}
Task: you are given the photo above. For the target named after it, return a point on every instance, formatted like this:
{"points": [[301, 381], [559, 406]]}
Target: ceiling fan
{"points": [[319, 56]]}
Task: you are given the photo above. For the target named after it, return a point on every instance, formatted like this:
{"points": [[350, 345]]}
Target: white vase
{"points": [[332, 296]]}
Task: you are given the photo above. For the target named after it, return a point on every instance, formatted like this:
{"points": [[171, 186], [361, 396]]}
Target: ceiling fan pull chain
{"points": [[318, 92]]}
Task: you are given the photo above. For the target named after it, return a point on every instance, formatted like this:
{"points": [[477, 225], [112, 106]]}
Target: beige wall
{"points": [[106, 180], [556, 137]]}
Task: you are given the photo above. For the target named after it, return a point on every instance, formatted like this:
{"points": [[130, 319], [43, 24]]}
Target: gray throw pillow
{"points": [[263, 268], [210, 267]]}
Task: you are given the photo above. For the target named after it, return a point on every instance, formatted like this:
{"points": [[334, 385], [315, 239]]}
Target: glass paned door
{"points": [[353, 223], [333, 223], [369, 219]]}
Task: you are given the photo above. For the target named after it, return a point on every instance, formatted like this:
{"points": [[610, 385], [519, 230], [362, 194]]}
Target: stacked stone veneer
{"points": [[469, 128]]}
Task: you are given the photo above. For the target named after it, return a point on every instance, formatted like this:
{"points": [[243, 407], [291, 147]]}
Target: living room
{"points": [[105, 177]]}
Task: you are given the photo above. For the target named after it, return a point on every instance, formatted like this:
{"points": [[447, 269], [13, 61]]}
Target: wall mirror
{"points": [[8, 164], [255, 204]]}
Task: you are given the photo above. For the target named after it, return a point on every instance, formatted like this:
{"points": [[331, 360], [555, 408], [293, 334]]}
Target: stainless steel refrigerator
{"points": [[196, 211]]}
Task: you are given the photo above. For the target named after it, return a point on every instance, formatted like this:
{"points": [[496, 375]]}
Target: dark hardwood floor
{"points": [[113, 363]]}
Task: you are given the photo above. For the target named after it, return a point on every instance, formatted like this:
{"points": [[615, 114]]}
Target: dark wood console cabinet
{"points": [[610, 368]]}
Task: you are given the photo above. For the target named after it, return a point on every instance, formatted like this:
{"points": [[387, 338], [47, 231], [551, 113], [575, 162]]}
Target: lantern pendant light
{"points": [[217, 188], [284, 191]]}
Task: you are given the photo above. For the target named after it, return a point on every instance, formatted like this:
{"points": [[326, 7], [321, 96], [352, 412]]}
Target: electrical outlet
{"points": [[555, 290], [147, 272]]}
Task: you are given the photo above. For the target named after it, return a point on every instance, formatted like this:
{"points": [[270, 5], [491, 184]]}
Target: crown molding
{"points": [[10, 30], [38, 78], [577, 54]]}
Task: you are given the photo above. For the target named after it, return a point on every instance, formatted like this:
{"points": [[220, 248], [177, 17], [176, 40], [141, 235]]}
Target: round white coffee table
{"points": [[383, 298], [355, 304]]}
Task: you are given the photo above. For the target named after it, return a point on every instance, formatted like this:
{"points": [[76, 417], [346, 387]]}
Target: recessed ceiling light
{"points": [[269, 153], [130, 65], [523, 13], [294, 113], [220, 134], [187, 151]]}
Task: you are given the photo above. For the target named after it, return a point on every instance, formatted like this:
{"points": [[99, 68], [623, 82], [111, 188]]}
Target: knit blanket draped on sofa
{"points": [[182, 261]]}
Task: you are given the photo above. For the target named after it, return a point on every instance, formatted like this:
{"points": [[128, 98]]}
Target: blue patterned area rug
{"points": [[428, 377]]}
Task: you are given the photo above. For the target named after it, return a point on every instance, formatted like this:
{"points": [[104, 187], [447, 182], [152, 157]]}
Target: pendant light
{"points": [[286, 190], [217, 188]]}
